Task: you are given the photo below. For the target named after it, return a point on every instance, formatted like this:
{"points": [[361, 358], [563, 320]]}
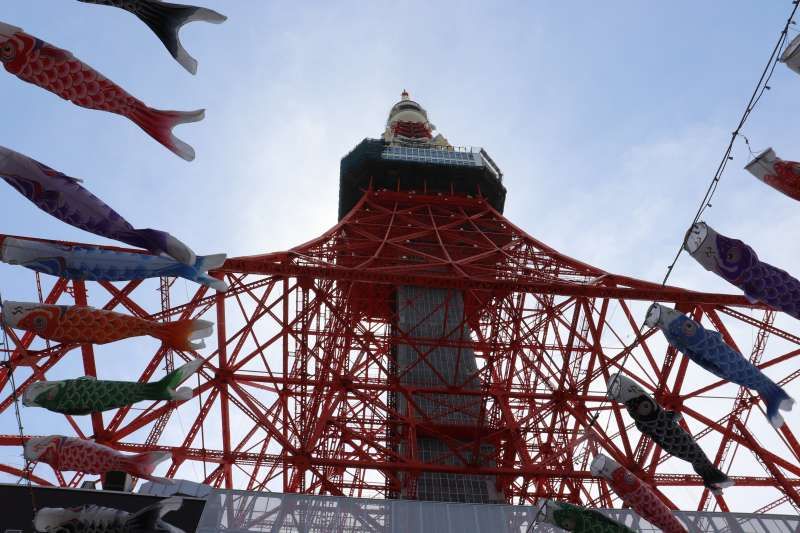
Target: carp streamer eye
{"points": [[734, 254], [40, 323], [7, 51], [644, 408], [689, 328], [568, 522]]}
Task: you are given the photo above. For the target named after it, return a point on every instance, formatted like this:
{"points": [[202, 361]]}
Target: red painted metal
{"points": [[412, 130], [300, 392]]}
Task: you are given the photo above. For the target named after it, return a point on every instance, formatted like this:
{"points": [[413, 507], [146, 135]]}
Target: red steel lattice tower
{"points": [[425, 347]]}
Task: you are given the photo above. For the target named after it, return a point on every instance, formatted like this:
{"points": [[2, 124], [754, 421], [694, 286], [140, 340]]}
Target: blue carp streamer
{"points": [[95, 264], [708, 349]]}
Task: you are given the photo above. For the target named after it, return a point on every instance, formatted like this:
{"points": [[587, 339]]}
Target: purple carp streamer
{"points": [[738, 264], [709, 350], [662, 427], [166, 20], [63, 197]]}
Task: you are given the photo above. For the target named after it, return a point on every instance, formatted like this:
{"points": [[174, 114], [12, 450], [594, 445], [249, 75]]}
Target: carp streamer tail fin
{"points": [[158, 242], [199, 272], [713, 477], [143, 464], [166, 389], [158, 124], [166, 21], [211, 262], [776, 399], [148, 520], [181, 333]]}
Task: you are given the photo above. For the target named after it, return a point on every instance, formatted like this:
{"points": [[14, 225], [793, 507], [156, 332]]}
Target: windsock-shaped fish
{"points": [[708, 349], [83, 262], [662, 426], [166, 20], [87, 395], [63, 197], [579, 519], [739, 265], [80, 455], [781, 175], [96, 519], [79, 325], [636, 494], [791, 55], [58, 71]]}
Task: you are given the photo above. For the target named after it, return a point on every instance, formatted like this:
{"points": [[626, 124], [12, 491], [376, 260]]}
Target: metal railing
{"points": [[242, 511], [447, 155], [470, 156]]}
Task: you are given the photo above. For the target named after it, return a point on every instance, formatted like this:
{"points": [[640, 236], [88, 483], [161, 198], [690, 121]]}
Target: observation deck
{"points": [[424, 168]]}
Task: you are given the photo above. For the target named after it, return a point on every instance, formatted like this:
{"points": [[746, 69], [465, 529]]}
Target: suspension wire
{"points": [[761, 87], [758, 92], [202, 426], [535, 521], [755, 97], [628, 349], [749, 148], [28, 471]]}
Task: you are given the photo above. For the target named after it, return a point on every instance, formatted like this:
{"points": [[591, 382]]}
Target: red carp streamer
{"points": [[58, 71]]}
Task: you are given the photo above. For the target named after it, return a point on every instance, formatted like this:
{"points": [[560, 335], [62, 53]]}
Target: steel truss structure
{"points": [[302, 392]]}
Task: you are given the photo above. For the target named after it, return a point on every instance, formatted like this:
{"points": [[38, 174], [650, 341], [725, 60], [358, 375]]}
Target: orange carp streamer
{"points": [[73, 324]]}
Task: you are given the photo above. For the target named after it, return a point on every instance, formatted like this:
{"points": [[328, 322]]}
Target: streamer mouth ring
{"points": [[598, 465], [543, 512], [790, 52], [50, 519], [695, 237], [614, 387], [653, 315], [7, 30]]}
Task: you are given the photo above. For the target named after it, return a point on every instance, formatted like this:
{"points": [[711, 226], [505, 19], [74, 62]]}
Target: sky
{"points": [[608, 119]]}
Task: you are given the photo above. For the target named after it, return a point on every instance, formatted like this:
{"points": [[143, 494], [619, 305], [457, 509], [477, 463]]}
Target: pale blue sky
{"points": [[596, 115], [607, 118]]}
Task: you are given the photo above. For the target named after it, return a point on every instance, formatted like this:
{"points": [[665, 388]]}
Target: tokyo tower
{"points": [[427, 348]]}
